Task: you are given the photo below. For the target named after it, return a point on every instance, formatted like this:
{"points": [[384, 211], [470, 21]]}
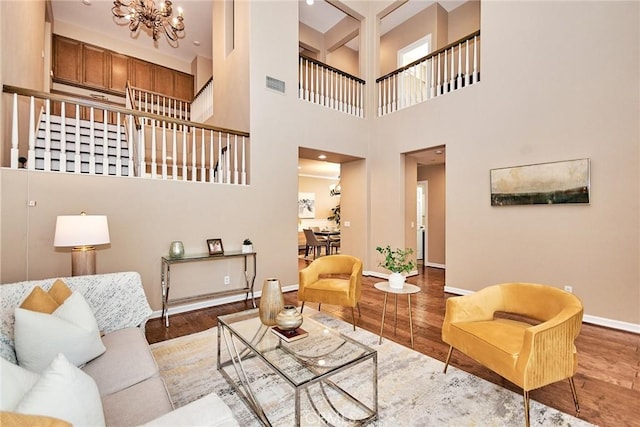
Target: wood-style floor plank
{"points": [[607, 381]]}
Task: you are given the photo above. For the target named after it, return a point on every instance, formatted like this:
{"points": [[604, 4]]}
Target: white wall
{"points": [[544, 96]]}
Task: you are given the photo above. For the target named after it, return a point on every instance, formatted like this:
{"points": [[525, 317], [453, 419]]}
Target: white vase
{"points": [[396, 280]]}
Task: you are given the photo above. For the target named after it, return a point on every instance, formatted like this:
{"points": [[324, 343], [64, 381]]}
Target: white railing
{"points": [[156, 103], [103, 139], [327, 86], [202, 105], [446, 70]]}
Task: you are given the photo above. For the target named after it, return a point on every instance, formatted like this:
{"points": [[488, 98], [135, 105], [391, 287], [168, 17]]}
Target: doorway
{"points": [[422, 199], [430, 187]]}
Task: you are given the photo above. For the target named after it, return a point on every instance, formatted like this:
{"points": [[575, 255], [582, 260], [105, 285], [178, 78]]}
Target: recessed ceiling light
{"points": [[322, 157], [438, 151], [310, 2], [86, 2], [196, 42]]}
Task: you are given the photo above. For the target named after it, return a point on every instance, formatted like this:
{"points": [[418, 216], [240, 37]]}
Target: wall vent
{"points": [[275, 84]]}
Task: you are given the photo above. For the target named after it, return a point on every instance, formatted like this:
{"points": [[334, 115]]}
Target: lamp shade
{"points": [[81, 230]]}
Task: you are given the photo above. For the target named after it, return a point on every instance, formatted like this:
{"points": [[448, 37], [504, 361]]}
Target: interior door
{"points": [[422, 218]]}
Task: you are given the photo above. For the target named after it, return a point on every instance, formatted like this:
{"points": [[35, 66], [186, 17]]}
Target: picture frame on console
{"points": [[215, 246]]}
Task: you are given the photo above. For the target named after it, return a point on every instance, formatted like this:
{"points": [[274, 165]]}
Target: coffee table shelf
{"points": [[314, 361]]}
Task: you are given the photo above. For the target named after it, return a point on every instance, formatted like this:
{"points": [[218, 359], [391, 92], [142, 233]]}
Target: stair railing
{"points": [[167, 148], [156, 103], [202, 105], [446, 70]]}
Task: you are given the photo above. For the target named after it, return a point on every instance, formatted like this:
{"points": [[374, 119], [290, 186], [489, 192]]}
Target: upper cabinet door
{"points": [[67, 59], [95, 67], [142, 74], [183, 86], [119, 72], [163, 80]]}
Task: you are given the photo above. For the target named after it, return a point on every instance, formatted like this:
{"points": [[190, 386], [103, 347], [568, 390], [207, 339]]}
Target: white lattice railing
{"points": [[451, 68], [202, 105], [84, 136], [327, 86]]}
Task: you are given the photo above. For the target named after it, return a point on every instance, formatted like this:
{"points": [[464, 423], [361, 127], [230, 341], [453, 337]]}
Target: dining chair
{"points": [[317, 243], [334, 243]]}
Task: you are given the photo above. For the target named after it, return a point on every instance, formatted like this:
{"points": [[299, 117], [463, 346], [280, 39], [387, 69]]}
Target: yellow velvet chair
{"points": [[531, 352], [316, 286]]}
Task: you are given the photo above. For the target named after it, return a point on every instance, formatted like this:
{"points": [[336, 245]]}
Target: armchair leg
{"points": [[353, 316], [319, 305], [446, 362], [359, 312], [575, 395], [302, 307], [526, 408]]}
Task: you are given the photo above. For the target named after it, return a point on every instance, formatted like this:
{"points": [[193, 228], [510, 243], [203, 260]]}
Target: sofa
{"points": [[131, 390]]}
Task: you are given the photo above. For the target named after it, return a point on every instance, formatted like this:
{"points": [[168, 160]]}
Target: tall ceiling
{"points": [[96, 16], [322, 16]]}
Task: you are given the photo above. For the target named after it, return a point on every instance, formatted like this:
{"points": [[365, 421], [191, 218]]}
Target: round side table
{"points": [[407, 290]]}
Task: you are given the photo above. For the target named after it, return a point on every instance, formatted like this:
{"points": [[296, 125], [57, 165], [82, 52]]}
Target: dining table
{"points": [[327, 234]]}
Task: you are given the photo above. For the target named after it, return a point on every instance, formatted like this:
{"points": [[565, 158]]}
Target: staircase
{"points": [[81, 134]]}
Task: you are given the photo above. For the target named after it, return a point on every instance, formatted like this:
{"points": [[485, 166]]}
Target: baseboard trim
{"points": [[385, 276], [594, 320], [214, 302], [435, 265]]}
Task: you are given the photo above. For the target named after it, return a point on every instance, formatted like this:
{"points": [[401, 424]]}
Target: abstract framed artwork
{"points": [[306, 205], [544, 183]]}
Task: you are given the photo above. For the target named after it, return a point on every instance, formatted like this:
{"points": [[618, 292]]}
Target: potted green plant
{"points": [[397, 261], [335, 215], [247, 246]]}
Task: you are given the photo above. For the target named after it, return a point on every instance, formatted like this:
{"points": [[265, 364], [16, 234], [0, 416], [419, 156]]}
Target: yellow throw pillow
{"points": [[40, 301], [59, 291], [47, 302], [13, 419]]}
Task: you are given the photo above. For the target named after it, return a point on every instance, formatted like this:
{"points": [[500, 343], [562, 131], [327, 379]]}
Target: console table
{"points": [[165, 277]]}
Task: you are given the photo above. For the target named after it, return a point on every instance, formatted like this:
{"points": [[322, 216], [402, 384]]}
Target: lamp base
{"points": [[83, 261]]}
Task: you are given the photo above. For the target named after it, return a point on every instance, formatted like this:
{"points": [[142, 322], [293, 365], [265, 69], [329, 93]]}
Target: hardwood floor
{"points": [[607, 381]]}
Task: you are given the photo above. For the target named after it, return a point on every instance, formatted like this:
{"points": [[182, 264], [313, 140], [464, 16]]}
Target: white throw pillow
{"points": [[65, 392], [15, 382], [71, 329]]}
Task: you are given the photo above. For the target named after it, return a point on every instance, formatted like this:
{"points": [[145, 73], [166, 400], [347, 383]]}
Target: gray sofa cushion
{"points": [[127, 361], [137, 404]]}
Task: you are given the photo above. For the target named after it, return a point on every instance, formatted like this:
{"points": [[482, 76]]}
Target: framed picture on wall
{"points": [[541, 184], [306, 205], [215, 246]]}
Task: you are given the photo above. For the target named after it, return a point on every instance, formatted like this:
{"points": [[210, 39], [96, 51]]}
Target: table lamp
{"points": [[82, 232]]}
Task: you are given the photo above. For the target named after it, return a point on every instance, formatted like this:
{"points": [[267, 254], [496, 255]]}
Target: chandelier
{"points": [[144, 12]]}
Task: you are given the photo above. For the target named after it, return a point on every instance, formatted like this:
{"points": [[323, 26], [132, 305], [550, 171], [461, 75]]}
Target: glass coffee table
{"points": [[319, 367]]}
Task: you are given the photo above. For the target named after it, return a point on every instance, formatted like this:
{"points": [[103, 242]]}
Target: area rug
{"points": [[412, 389]]}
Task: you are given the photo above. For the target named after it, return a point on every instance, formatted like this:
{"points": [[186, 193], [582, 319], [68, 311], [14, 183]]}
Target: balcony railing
{"points": [[324, 85], [451, 68], [97, 138]]}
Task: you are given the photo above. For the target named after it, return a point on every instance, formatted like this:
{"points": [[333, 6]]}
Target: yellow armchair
{"points": [[529, 354], [315, 285]]}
